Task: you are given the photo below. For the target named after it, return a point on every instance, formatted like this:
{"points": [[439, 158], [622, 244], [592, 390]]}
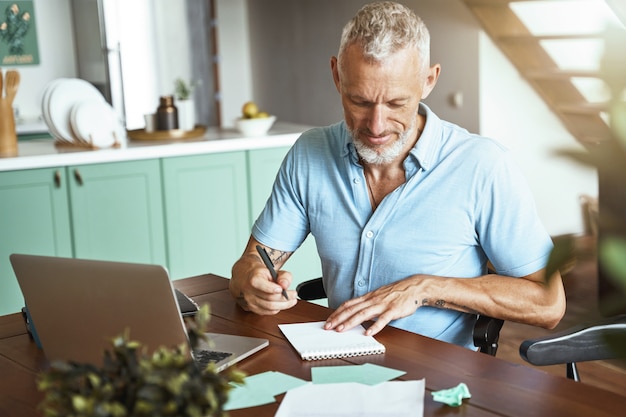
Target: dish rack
{"points": [[81, 144]]}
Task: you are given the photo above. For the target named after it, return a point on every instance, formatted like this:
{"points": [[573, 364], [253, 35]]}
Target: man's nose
{"points": [[376, 119]]}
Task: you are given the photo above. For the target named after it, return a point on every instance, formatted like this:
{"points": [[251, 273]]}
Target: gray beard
{"points": [[388, 154]]}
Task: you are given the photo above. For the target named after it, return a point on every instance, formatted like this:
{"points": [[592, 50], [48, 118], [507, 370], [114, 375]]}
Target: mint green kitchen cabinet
{"points": [[34, 219], [263, 165], [192, 214], [117, 211], [206, 212]]}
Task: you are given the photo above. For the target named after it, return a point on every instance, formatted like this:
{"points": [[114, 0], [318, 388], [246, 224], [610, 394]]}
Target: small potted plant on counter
{"points": [[183, 93]]}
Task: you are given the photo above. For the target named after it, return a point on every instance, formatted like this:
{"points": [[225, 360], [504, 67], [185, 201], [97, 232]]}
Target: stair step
{"points": [[559, 74], [587, 122], [583, 108], [530, 38], [482, 3]]}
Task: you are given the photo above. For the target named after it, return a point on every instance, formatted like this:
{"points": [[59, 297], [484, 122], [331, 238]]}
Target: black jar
{"points": [[167, 114]]}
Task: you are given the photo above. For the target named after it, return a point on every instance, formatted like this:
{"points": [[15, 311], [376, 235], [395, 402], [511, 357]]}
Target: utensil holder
{"points": [[8, 135]]}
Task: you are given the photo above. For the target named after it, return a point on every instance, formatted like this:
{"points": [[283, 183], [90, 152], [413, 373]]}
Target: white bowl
{"points": [[255, 127]]}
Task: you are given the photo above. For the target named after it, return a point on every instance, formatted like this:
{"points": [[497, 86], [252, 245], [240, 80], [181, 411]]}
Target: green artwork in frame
{"points": [[18, 35]]}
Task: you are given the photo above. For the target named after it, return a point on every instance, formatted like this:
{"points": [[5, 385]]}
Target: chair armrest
{"points": [[487, 333], [586, 342], [311, 290]]}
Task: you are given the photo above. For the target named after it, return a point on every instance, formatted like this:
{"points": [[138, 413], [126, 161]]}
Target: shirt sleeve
{"points": [[283, 223], [509, 229]]}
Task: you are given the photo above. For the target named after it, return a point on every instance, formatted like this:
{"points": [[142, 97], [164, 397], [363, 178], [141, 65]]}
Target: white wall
{"points": [[511, 112], [291, 43], [233, 45], [154, 51]]}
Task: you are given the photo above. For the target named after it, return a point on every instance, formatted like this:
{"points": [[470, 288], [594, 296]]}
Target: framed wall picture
{"points": [[18, 34]]}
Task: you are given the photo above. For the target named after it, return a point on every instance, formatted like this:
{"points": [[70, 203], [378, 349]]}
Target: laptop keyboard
{"points": [[205, 357]]}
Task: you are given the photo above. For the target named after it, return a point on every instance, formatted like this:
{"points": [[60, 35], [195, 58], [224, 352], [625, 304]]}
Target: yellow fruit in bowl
{"points": [[249, 110], [257, 126], [262, 115]]}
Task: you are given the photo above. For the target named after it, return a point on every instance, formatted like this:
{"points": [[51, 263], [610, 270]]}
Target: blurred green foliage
{"points": [[132, 383], [609, 158]]}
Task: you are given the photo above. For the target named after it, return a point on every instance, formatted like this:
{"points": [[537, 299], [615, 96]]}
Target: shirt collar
{"points": [[425, 149], [348, 145]]}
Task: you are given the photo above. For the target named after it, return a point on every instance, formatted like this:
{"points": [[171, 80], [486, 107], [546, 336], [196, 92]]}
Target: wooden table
{"points": [[498, 388]]}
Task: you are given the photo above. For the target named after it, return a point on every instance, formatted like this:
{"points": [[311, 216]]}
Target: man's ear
{"points": [[334, 67], [431, 79]]}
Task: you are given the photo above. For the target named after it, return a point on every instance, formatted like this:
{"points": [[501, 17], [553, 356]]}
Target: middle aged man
{"points": [[406, 209]]}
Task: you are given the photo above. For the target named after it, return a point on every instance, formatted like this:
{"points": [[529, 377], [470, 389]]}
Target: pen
{"points": [[268, 263]]}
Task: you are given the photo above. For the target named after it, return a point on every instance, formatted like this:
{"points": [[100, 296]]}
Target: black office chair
{"points": [[486, 329], [603, 338], [592, 341]]}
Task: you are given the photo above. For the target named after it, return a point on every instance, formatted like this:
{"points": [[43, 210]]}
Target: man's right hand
{"points": [[252, 285]]}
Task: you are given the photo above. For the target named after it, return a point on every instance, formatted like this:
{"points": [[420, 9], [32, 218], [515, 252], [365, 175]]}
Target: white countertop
{"points": [[42, 153]]}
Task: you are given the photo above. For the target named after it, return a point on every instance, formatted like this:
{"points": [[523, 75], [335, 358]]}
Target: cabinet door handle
{"points": [[57, 178], [79, 178]]}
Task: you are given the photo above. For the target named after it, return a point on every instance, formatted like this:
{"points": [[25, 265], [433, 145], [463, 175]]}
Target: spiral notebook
{"points": [[313, 342]]}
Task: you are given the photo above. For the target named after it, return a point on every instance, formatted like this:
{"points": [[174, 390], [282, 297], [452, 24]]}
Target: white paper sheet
{"points": [[388, 399]]}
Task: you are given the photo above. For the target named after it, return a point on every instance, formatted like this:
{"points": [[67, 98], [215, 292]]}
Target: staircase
{"points": [[586, 120]]}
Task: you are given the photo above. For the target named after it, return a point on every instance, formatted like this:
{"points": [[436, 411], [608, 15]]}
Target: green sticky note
{"points": [[273, 383], [368, 374], [243, 396], [452, 396], [260, 389]]}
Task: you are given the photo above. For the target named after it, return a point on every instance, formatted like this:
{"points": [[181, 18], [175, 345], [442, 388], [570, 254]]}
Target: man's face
{"points": [[381, 100]]}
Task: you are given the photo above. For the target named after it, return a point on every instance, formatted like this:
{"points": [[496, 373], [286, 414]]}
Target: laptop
{"points": [[77, 306]]}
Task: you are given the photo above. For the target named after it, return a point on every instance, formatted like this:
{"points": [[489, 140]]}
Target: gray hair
{"points": [[383, 28]]}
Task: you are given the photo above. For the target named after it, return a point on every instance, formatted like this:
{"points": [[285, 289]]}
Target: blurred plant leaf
{"points": [[617, 343], [612, 159], [563, 254], [197, 326], [613, 257], [133, 383], [618, 121]]}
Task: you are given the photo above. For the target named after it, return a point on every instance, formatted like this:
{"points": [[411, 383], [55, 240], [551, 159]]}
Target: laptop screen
{"points": [[78, 306]]}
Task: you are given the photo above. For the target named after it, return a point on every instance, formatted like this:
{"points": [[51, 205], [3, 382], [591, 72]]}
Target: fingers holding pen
{"points": [[257, 284], [268, 285], [265, 296], [270, 266]]}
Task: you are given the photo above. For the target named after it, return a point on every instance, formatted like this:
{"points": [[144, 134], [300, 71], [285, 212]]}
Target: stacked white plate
{"points": [[77, 113]]}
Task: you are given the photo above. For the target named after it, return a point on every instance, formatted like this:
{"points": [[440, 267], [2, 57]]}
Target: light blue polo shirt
{"points": [[464, 201]]}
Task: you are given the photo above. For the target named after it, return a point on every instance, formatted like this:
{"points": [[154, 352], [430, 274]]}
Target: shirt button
{"points": [[361, 283], [369, 234], [357, 180]]}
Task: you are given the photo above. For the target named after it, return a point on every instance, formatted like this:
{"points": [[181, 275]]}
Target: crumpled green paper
{"points": [[452, 396]]}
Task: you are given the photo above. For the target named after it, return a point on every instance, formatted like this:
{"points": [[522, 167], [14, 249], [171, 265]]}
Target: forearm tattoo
{"points": [[278, 257], [447, 305]]}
